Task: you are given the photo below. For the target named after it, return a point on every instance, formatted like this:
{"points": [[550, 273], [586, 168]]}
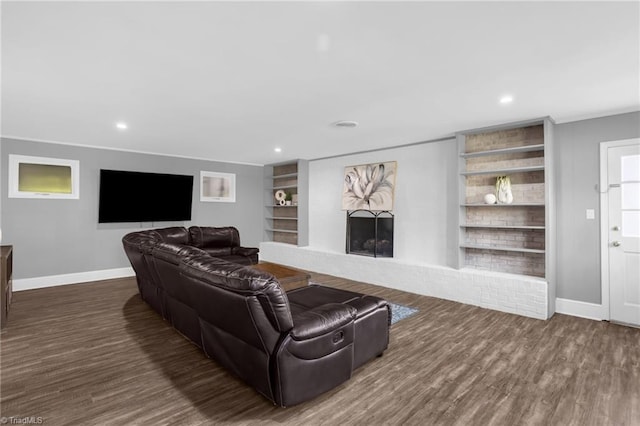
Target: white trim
{"points": [[75, 278], [604, 234], [580, 309], [571, 119], [135, 151], [595, 115], [604, 219]]}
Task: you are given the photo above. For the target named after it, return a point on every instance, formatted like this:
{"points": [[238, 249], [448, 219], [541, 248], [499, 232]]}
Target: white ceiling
{"points": [[232, 81]]}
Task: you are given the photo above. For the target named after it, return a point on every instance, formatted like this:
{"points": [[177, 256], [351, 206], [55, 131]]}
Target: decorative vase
{"points": [[503, 190], [490, 199], [280, 196]]}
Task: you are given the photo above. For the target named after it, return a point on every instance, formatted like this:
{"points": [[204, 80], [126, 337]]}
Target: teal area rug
{"points": [[400, 312]]}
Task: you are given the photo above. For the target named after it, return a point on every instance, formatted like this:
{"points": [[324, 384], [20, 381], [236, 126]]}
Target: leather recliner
{"points": [[290, 347], [223, 243]]}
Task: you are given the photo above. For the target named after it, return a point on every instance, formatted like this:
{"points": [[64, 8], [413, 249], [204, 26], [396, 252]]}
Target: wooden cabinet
{"points": [[285, 222], [6, 282], [514, 237]]}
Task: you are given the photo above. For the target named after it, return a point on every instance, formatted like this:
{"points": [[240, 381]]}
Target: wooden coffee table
{"points": [[289, 278]]}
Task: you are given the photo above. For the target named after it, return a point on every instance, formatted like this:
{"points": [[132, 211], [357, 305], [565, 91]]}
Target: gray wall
{"points": [[577, 168], [52, 237], [425, 201]]}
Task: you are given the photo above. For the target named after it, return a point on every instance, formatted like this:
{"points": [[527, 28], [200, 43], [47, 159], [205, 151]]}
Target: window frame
{"points": [[14, 178]]}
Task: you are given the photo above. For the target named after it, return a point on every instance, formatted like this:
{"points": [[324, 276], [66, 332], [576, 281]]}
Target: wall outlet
{"points": [[591, 214]]}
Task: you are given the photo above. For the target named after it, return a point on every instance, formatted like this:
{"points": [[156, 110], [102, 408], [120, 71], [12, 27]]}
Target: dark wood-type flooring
{"points": [[95, 354]]}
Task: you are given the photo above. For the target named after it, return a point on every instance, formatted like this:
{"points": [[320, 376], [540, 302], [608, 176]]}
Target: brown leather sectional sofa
{"points": [[289, 346]]}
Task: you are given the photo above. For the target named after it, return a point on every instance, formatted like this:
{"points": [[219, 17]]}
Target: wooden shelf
{"points": [[503, 171], [278, 205], [281, 218], [501, 248], [524, 227], [527, 148], [283, 187], [288, 175], [286, 231], [503, 205]]}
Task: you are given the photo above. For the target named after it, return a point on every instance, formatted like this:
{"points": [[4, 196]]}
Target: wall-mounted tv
{"points": [[144, 197]]}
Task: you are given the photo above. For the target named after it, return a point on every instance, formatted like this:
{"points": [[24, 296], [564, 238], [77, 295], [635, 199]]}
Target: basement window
{"points": [[40, 177]]}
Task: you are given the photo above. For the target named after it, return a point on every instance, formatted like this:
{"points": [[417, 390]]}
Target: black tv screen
{"points": [[144, 197]]}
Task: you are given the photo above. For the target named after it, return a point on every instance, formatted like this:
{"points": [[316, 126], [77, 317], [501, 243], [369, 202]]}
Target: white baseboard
{"points": [[580, 309], [75, 278], [563, 306]]}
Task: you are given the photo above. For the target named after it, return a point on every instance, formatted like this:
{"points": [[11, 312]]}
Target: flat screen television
{"points": [[144, 197]]}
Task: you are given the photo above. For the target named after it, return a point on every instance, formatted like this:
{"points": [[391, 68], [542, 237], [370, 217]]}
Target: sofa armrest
{"points": [[317, 355], [321, 320], [245, 251]]}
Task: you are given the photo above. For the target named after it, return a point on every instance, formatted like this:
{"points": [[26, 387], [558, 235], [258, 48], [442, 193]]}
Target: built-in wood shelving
{"points": [[512, 237], [282, 222]]}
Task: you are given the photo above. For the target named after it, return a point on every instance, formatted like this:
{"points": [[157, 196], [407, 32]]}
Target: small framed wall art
{"points": [[217, 187]]}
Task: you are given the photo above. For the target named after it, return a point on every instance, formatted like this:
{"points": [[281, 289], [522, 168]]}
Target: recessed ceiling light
{"points": [[506, 99], [345, 123], [277, 149], [121, 125]]}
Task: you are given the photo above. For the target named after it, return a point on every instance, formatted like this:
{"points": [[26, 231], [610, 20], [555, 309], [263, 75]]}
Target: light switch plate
{"points": [[591, 214]]}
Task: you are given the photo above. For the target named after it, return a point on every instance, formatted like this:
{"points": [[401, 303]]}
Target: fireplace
{"points": [[370, 233]]}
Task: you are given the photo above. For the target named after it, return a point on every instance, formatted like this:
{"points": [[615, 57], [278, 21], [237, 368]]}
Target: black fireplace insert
{"points": [[370, 233]]}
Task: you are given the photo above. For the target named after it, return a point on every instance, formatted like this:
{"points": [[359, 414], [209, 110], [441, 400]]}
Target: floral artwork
{"points": [[369, 186]]}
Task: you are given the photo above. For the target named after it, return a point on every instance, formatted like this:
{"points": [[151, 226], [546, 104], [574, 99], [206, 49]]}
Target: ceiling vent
{"points": [[345, 123]]}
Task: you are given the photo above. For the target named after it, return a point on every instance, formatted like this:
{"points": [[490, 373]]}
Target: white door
{"points": [[623, 177]]}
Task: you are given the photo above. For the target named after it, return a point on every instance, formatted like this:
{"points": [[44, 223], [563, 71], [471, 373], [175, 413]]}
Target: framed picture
{"points": [[369, 186], [41, 177], [217, 187]]}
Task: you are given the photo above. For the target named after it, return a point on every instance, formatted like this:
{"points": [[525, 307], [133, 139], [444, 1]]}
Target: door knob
{"points": [[616, 243], [616, 228]]}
